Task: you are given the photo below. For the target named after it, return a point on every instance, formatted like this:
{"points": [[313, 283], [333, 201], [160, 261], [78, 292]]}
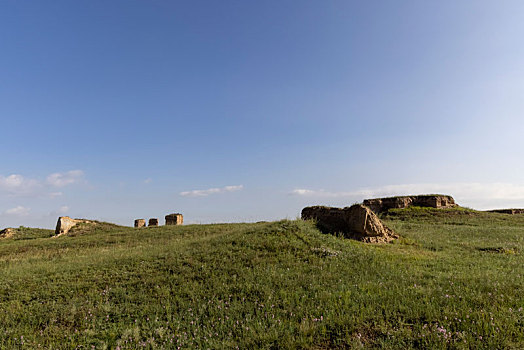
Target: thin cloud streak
{"points": [[480, 194], [18, 211], [210, 191], [321, 193], [60, 211]]}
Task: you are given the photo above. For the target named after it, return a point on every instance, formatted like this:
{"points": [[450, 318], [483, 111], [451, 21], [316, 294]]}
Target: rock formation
{"points": [[507, 211], [357, 222], [153, 222], [140, 223], [7, 232], [379, 205], [174, 219], [65, 223]]}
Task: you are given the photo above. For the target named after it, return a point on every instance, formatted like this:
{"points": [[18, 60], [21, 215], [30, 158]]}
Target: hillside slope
{"points": [[454, 280]]}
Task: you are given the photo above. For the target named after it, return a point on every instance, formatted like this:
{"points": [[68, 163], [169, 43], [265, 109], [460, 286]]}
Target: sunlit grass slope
{"points": [[454, 280]]}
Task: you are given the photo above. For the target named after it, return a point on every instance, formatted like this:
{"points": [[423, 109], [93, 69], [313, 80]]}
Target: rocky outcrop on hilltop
{"points": [[356, 222], [380, 205]]}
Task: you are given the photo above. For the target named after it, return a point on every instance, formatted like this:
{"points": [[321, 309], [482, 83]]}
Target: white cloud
{"points": [[203, 193], [18, 185], [148, 180], [18, 211], [478, 195], [64, 179]]}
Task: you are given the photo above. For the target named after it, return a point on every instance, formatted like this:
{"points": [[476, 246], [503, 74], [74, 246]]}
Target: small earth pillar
{"points": [[174, 219], [140, 223]]}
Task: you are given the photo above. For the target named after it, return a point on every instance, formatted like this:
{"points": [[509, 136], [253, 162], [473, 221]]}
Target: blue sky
{"points": [[244, 111]]}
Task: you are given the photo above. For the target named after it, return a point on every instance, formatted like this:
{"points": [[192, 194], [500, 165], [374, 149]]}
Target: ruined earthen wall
{"points": [[379, 205], [507, 211]]}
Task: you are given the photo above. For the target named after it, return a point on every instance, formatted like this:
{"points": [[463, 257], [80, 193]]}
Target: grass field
{"points": [[454, 280]]}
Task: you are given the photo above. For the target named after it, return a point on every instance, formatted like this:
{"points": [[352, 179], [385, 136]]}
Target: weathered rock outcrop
{"points": [[65, 224], [356, 222], [174, 219], [507, 211], [7, 232], [379, 205], [140, 223], [153, 222]]}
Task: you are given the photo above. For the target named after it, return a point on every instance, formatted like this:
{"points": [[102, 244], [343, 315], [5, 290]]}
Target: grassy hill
{"points": [[454, 280]]}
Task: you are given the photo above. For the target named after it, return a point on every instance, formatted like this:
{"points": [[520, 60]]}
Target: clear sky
{"points": [[251, 110]]}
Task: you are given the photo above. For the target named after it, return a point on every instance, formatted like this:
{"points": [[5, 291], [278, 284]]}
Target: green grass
{"points": [[454, 280]]}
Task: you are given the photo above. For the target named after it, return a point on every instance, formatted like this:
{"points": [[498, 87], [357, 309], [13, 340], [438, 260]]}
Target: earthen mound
{"points": [[356, 222], [7, 232]]}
